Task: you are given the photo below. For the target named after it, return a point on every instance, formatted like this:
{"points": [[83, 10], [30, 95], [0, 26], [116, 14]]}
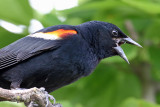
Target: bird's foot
{"points": [[31, 104], [38, 93], [57, 105], [48, 96]]}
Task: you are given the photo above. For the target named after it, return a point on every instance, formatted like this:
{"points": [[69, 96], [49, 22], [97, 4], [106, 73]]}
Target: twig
{"points": [[131, 29]]}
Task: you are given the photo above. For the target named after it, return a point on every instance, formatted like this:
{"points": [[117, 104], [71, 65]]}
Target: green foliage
{"points": [[7, 37], [114, 83], [16, 11], [9, 104], [147, 6], [132, 102], [105, 86], [50, 20]]}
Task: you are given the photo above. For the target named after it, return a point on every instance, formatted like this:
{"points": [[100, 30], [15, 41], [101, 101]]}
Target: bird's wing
{"points": [[32, 45]]}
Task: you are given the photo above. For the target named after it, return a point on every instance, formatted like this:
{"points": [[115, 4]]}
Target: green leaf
{"points": [[93, 6], [149, 7], [50, 20], [66, 103], [158, 97], [16, 11], [108, 86], [132, 102], [7, 37], [11, 104], [152, 32], [154, 59], [154, 53]]}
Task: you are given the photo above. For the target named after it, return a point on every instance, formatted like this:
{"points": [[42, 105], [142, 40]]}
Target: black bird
{"points": [[59, 55]]}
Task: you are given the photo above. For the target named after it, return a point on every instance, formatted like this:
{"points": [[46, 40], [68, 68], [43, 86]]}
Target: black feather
{"points": [[37, 62], [24, 49]]}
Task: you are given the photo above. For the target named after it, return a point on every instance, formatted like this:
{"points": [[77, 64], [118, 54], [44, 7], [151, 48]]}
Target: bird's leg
{"points": [[15, 85]]}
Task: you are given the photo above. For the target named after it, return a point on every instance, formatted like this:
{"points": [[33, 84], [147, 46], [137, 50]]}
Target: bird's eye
{"points": [[115, 32]]}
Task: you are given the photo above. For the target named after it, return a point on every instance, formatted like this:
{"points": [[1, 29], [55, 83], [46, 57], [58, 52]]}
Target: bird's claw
{"points": [[57, 105], [48, 96], [51, 98], [32, 104]]}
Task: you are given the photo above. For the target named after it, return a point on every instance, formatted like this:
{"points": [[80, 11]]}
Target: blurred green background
{"points": [[114, 83]]}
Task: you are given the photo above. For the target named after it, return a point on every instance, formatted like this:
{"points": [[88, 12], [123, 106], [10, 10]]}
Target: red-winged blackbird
{"points": [[59, 55]]}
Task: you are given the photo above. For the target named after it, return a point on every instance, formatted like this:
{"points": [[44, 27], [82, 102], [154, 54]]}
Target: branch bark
{"points": [[28, 96]]}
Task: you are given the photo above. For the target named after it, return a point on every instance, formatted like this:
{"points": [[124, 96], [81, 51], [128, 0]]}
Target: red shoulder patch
{"points": [[62, 32], [53, 35]]}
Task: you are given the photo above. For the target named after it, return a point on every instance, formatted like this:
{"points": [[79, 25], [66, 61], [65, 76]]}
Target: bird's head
{"points": [[108, 39]]}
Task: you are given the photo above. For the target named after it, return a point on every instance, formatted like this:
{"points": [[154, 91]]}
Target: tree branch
{"points": [[28, 96]]}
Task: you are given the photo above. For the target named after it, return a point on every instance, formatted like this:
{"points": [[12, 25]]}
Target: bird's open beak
{"points": [[119, 50]]}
